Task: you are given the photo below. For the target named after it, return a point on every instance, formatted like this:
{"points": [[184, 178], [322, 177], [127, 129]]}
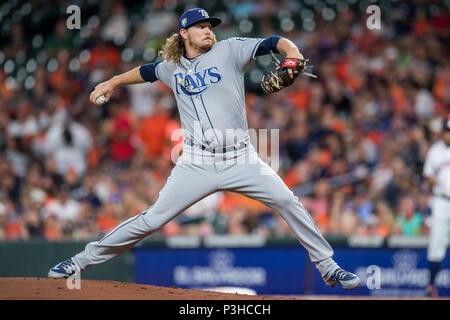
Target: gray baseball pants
{"points": [[199, 173]]}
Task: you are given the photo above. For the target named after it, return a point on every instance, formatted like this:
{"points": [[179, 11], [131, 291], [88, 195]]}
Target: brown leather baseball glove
{"points": [[279, 78]]}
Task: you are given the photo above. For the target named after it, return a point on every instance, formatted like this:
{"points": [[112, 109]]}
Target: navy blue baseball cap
{"points": [[192, 16]]}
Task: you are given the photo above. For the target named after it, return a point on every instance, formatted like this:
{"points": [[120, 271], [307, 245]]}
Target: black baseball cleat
{"points": [[64, 269], [346, 279]]}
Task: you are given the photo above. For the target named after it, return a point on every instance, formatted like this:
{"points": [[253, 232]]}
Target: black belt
{"points": [[241, 145]]}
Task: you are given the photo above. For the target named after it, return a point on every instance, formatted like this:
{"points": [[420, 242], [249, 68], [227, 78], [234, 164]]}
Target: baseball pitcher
{"points": [[207, 80]]}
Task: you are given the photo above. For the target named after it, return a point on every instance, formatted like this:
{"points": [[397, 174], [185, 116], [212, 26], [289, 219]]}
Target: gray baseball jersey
{"points": [[209, 91]]}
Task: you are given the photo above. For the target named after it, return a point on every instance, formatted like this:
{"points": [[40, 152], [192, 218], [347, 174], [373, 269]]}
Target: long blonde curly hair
{"points": [[174, 49]]}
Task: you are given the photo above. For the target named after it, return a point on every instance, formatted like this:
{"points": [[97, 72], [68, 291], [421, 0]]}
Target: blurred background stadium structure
{"points": [[352, 142]]}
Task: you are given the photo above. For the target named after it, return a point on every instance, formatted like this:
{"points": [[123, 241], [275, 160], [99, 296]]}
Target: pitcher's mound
{"points": [[58, 289]]}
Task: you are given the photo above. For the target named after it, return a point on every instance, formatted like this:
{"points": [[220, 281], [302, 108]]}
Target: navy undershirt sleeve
{"points": [[268, 44], [148, 71]]}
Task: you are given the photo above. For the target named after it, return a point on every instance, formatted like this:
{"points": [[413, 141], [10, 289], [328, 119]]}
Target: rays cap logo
{"points": [[195, 15]]}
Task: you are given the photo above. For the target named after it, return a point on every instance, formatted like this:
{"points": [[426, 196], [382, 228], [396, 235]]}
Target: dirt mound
{"points": [[57, 289]]}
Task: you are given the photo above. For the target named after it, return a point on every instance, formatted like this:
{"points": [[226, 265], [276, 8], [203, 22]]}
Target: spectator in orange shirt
{"points": [[151, 131], [107, 218], [386, 219], [104, 55]]}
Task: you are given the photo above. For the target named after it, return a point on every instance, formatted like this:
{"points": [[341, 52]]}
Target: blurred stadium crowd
{"points": [[352, 142]]}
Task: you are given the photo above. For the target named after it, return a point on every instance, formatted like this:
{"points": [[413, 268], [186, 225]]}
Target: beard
{"points": [[203, 46]]}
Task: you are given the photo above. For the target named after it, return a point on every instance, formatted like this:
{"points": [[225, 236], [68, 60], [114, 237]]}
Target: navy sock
{"points": [[434, 268]]}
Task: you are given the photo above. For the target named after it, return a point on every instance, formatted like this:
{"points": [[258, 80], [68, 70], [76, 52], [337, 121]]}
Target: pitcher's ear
{"points": [[183, 33]]}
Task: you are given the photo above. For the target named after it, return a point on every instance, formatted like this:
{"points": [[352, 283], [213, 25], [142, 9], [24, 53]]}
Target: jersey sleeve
{"points": [[267, 45], [243, 51], [156, 71]]}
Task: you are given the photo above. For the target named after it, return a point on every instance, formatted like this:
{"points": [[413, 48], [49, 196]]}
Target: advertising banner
{"points": [[386, 272], [263, 270]]}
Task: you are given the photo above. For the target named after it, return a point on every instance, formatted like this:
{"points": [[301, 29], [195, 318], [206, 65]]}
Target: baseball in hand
{"points": [[100, 100]]}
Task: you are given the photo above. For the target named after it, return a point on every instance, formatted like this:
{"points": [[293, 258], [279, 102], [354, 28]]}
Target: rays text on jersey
{"points": [[196, 83]]}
